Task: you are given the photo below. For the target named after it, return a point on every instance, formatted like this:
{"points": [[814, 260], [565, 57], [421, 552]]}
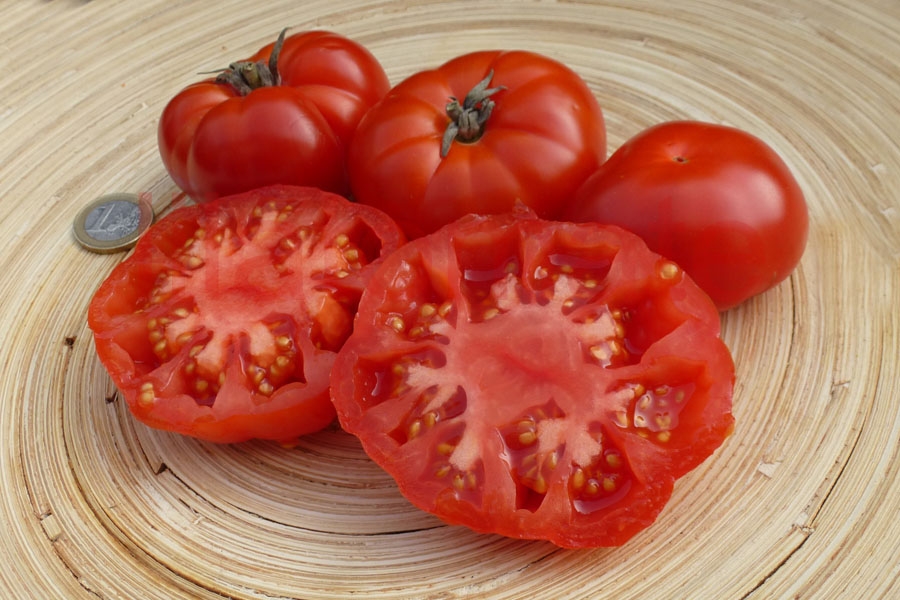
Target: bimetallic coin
{"points": [[113, 223]]}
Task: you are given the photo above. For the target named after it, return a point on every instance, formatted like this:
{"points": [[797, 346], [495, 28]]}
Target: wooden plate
{"points": [[802, 501]]}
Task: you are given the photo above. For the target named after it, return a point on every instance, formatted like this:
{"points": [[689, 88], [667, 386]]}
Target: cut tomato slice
{"points": [[535, 379], [225, 321]]}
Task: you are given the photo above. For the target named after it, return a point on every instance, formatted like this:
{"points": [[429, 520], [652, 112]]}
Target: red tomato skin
{"points": [[215, 142], [715, 199], [505, 368], [546, 134], [123, 307]]}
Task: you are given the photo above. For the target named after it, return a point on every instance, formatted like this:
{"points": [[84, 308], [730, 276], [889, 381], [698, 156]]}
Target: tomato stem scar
{"points": [[467, 119], [246, 76]]}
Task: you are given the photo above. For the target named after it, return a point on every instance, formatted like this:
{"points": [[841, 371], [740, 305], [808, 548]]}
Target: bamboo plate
{"points": [[801, 502]]}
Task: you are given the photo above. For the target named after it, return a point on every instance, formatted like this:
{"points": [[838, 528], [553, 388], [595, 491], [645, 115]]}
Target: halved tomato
{"points": [[535, 379], [225, 321]]}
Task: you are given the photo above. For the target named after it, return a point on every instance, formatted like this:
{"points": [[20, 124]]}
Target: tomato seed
{"points": [[552, 460], [669, 270], [578, 478], [445, 448], [396, 323], [192, 262], [528, 438]]}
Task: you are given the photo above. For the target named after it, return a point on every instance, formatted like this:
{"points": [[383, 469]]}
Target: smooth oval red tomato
{"points": [[285, 121], [715, 199], [519, 127], [224, 322], [535, 379]]}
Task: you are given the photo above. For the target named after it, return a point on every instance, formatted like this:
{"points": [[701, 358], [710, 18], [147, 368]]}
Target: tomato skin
{"points": [[546, 134], [224, 322], [536, 379], [213, 141], [715, 199]]}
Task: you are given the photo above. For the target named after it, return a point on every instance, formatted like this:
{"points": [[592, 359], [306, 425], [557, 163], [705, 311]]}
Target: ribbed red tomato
{"points": [[283, 116], [535, 379], [477, 135], [224, 322]]}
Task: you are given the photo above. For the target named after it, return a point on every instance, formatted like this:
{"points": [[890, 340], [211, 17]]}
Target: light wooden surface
{"points": [[802, 501]]}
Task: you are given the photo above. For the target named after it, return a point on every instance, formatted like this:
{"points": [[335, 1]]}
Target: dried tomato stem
{"points": [[467, 120], [246, 76]]}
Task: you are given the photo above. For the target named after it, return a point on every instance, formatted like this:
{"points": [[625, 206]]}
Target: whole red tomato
{"points": [[536, 379], [477, 135], [285, 115], [716, 200], [224, 322]]}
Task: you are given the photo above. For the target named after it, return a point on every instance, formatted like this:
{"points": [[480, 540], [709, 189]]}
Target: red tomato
{"points": [[528, 129], [716, 200], [224, 322], [535, 379], [286, 121]]}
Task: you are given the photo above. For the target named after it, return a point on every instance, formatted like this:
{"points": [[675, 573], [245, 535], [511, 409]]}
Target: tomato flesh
{"points": [[225, 321], [535, 379]]}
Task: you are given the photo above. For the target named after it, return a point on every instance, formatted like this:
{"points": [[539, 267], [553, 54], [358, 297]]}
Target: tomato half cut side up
{"points": [[536, 379], [225, 321]]}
